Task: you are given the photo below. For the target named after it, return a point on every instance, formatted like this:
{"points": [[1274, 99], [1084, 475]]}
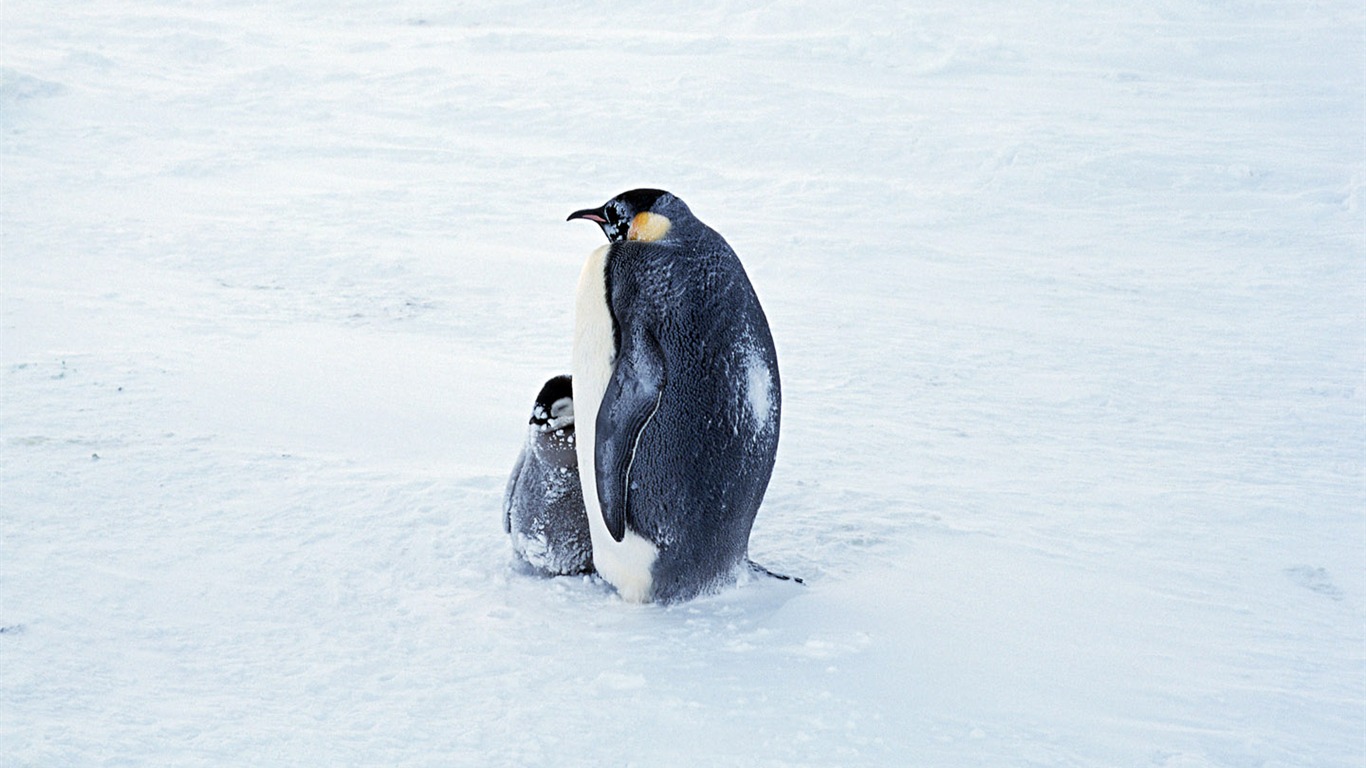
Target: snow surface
{"points": [[1068, 301]]}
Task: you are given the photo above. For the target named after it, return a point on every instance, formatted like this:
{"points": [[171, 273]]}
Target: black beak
{"points": [[592, 214]]}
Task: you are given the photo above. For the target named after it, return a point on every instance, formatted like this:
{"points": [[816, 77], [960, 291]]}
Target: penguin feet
{"points": [[759, 569]]}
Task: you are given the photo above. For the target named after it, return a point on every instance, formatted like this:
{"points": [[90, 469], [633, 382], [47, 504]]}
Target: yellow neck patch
{"points": [[648, 227]]}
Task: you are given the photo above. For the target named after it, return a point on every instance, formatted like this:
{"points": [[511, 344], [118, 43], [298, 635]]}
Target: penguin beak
{"points": [[592, 214], [612, 228]]}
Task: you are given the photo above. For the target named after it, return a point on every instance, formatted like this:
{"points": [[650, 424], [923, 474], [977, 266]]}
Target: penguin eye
{"points": [[618, 219]]}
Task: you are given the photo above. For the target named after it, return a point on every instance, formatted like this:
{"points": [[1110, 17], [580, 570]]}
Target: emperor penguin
{"points": [[543, 509], [678, 399]]}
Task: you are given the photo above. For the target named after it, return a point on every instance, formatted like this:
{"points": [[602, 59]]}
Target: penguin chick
{"points": [[543, 510]]}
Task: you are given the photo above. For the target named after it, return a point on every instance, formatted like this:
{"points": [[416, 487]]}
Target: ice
{"points": [[1068, 304]]}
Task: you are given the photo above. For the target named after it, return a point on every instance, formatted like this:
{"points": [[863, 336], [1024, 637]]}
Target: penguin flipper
{"points": [[633, 397], [510, 492]]}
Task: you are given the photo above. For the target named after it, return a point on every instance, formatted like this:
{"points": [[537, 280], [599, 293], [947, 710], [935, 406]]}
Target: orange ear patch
{"points": [[648, 227]]}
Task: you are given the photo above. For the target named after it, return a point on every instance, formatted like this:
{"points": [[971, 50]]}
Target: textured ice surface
{"points": [[1068, 306]]}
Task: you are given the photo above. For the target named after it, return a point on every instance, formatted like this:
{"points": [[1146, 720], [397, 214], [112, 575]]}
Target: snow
{"points": [[1068, 303], [758, 391]]}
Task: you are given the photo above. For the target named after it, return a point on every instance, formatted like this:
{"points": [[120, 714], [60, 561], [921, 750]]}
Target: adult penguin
{"points": [[677, 393]]}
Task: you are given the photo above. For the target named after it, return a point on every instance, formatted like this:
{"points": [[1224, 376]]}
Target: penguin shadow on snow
{"points": [[649, 463]]}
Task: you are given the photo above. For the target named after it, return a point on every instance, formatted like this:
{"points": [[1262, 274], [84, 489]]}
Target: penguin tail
{"points": [[762, 571]]}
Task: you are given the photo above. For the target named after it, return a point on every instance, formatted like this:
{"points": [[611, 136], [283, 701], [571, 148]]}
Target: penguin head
{"points": [[646, 215], [554, 407]]}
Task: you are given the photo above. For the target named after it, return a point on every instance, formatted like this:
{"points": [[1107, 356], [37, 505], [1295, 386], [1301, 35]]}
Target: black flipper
{"points": [[632, 398], [511, 490]]}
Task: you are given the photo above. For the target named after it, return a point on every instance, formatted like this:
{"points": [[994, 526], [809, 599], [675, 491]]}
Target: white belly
{"points": [[625, 564]]}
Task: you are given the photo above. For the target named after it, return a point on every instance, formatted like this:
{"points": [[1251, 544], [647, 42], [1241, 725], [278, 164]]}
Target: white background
{"points": [[1069, 310]]}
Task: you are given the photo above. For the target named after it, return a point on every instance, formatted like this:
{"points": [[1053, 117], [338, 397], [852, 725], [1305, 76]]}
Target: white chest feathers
{"points": [[626, 564]]}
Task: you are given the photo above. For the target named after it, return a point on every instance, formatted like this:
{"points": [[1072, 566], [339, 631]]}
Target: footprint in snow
{"points": [[1314, 580]]}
